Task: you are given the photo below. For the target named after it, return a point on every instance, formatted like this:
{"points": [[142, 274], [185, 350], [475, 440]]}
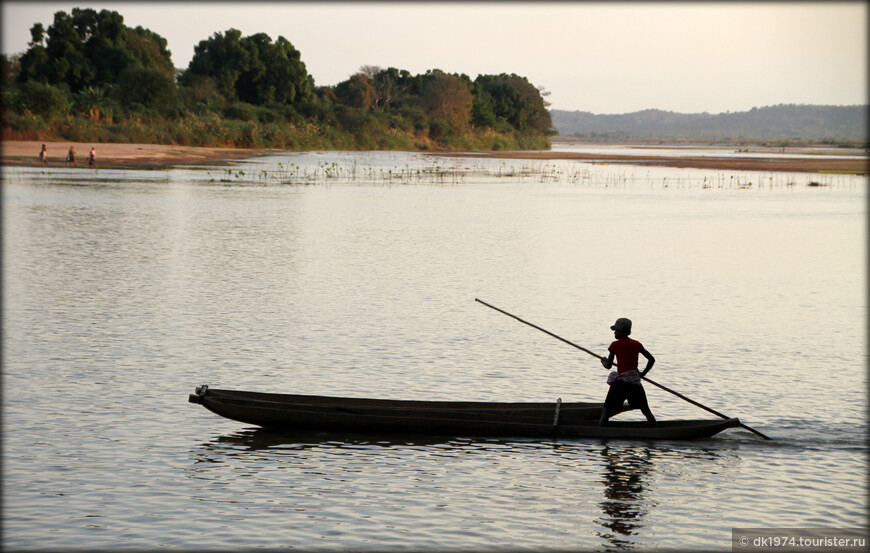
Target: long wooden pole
{"points": [[593, 354]]}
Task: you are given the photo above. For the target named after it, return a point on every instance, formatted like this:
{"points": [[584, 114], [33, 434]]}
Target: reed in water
{"points": [[458, 172]]}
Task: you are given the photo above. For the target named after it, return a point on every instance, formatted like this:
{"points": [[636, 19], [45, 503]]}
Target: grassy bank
{"points": [[211, 130]]}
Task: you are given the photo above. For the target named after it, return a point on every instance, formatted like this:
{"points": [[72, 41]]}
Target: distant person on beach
{"points": [[71, 157], [625, 382], [92, 158], [42, 154]]}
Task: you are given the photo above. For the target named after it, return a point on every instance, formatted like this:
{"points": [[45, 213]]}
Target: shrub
{"points": [[241, 111], [269, 114], [440, 129], [25, 122], [43, 100], [393, 139], [148, 87], [82, 129], [356, 119]]}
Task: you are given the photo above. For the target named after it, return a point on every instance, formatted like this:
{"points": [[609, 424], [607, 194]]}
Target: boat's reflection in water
{"points": [[628, 471], [258, 439]]}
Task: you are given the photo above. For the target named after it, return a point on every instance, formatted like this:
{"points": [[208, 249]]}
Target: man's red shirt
{"points": [[627, 351]]}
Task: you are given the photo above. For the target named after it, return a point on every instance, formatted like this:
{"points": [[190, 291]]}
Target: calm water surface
{"points": [[355, 274]]}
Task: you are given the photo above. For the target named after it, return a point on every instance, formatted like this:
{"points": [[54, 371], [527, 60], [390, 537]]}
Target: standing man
{"points": [[626, 383], [92, 158]]}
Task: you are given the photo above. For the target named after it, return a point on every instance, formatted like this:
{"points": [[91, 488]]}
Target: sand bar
{"points": [[26, 153], [818, 164]]}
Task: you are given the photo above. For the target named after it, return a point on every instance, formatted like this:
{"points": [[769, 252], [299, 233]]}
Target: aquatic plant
{"points": [[362, 170]]}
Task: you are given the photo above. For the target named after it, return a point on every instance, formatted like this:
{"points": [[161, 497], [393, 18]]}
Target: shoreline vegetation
{"points": [[90, 78], [88, 81], [132, 155]]}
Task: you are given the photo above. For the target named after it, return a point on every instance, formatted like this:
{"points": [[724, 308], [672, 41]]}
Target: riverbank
{"points": [[820, 164], [26, 153]]}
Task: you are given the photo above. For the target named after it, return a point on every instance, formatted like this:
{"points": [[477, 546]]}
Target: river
{"points": [[355, 274]]}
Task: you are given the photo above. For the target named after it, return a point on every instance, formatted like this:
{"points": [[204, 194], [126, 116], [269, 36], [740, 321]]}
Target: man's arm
{"points": [[608, 361], [650, 360]]}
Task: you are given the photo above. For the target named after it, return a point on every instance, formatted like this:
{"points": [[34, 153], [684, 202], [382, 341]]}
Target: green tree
{"points": [[90, 101], [34, 63], [483, 110], [357, 91], [67, 63], [40, 99], [285, 80], [89, 48], [149, 87], [392, 87], [202, 93], [10, 67], [374, 88], [219, 58], [148, 50], [251, 69], [512, 99]]}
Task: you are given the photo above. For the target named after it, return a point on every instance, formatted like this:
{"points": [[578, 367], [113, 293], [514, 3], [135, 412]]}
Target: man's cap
{"points": [[622, 325]]}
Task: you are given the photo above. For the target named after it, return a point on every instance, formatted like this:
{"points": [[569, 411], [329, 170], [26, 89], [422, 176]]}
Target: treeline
{"points": [[780, 124], [90, 78]]}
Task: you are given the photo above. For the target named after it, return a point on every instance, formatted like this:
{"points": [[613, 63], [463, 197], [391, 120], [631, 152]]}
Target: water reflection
{"points": [[282, 288], [628, 472], [264, 444], [626, 495], [257, 439]]}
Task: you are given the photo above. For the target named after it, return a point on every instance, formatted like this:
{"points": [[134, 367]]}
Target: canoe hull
{"points": [[468, 419]]}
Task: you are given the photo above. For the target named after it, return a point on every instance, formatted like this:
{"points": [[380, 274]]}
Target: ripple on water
{"points": [[119, 299]]}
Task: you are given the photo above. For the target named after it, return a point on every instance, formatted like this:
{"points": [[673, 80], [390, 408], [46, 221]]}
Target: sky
{"points": [[608, 57]]}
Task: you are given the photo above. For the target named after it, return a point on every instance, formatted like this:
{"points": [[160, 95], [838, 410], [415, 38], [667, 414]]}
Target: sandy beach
{"points": [[26, 153]]}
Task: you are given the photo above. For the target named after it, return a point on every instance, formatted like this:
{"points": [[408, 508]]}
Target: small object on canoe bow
{"points": [[198, 395]]}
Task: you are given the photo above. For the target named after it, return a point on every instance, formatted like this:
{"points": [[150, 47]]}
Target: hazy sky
{"points": [[603, 58]]}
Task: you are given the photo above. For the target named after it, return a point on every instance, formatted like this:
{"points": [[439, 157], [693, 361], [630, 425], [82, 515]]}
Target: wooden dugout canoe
{"points": [[443, 418]]}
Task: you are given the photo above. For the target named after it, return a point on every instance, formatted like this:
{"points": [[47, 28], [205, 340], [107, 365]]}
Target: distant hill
{"points": [[784, 122]]}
